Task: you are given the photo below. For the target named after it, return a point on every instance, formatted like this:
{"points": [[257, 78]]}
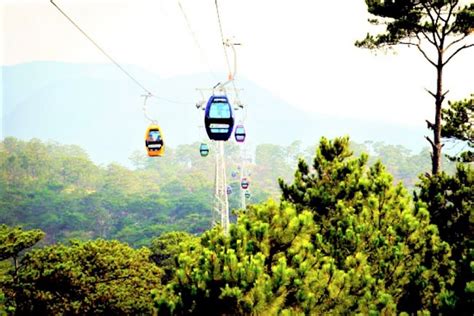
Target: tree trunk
{"points": [[436, 157]]}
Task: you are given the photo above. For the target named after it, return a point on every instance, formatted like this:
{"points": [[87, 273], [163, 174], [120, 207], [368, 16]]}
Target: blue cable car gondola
{"points": [[229, 189], [219, 118], [244, 183], [239, 133], [204, 150], [234, 174]]}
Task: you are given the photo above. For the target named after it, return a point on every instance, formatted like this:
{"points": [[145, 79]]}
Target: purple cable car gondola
{"points": [[239, 133]]}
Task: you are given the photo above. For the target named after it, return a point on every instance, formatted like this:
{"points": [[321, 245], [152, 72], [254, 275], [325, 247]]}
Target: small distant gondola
{"points": [[204, 150], [219, 118], [234, 174], [154, 141], [229, 189], [247, 194], [239, 133], [244, 183]]}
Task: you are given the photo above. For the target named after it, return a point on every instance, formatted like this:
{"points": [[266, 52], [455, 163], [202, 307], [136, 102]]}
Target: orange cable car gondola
{"points": [[154, 141]]}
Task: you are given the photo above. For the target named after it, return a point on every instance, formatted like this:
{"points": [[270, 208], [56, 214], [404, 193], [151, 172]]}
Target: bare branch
{"points": [[424, 53], [428, 38], [430, 141], [430, 125], [457, 51], [456, 41], [438, 15], [432, 94]]}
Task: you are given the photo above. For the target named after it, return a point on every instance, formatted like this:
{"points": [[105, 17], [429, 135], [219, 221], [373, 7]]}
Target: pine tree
{"points": [[343, 240], [439, 29], [450, 200]]}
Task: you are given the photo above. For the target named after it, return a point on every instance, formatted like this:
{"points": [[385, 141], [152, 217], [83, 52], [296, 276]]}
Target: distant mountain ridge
{"points": [[97, 107]]}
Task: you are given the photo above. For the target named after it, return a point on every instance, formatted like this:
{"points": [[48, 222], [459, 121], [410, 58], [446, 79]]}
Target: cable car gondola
{"points": [[219, 118], [154, 141], [229, 189], [234, 174], [244, 183], [239, 133], [204, 150], [247, 194]]}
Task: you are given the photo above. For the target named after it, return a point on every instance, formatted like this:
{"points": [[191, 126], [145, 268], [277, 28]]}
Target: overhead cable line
{"points": [[149, 93], [222, 37], [196, 41], [226, 43]]}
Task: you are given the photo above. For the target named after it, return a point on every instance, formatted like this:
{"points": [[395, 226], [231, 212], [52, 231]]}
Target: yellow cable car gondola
{"points": [[154, 141]]}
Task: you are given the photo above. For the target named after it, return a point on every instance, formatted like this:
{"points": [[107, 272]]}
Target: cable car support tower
{"points": [[220, 210], [220, 213]]}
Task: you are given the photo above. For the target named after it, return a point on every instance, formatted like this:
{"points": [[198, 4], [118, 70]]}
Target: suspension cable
{"points": [[204, 59], [225, 44], [112, 59], [222, 38]]}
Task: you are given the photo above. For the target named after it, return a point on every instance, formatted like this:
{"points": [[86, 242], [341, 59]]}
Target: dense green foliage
{"points": [[167, 247], [95, 277], [344, 239], [60, 190], [13, 241], [458, 126], [450, 200]]}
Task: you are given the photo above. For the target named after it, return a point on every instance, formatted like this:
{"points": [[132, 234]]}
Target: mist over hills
{"points": [[97, 107]]}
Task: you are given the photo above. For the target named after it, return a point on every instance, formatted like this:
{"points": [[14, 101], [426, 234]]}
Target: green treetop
{"points": [[343, 240]]}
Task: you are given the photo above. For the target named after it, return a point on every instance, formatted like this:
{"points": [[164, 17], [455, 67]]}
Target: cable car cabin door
{"points": [[154, 141], [219, 118]]}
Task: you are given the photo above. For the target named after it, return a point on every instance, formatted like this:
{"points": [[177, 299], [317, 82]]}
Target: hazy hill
{"points": [[100, 109]]}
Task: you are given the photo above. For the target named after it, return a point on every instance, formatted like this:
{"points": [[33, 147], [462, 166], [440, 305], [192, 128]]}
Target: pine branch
{"points": [[446, 22], [434, 31]]}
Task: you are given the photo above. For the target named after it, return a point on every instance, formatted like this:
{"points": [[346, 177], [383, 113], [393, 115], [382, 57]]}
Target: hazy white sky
{"points": [[300, 50]]}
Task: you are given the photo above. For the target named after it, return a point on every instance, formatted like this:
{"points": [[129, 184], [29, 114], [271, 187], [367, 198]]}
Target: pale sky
{"points": [[300, 50]]}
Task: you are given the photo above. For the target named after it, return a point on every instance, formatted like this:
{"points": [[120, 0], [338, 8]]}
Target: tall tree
{"points": [[441, 24], [450, 200]]}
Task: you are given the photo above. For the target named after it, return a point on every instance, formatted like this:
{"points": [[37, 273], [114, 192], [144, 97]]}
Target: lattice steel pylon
{"points": [[243, 202], [220, 214]]}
